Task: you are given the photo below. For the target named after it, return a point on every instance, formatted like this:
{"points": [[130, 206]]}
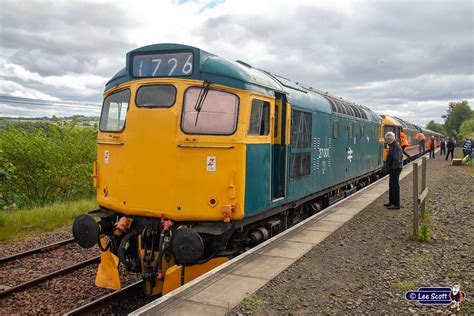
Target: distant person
{"points": [[421, 142], [442, 146], [431, 145], [404, 143], [393, 166], [466, 148], [450, 145]]}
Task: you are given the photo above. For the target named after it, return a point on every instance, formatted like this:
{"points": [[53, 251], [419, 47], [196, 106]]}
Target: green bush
{"points": [[425, 234], [42, 163]]}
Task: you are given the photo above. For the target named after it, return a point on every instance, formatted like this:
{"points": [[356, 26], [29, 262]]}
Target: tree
{"points": [[467, 128], [7, 178], [458, 112], [436, 127]]}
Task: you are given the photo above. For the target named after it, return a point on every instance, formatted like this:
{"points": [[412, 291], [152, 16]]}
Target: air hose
{"points": [[158, 267], [123, 245], [107, 246]]}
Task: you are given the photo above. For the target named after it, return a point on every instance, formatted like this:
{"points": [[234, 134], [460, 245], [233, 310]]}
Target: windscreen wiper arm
{"points": [[201, 98]]}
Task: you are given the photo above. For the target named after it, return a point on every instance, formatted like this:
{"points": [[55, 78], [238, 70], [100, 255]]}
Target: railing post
{"points": [[415, 200], [423, 185]]}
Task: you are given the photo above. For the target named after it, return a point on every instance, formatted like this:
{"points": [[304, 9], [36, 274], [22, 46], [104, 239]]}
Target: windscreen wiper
{"points": [[201, 98]]}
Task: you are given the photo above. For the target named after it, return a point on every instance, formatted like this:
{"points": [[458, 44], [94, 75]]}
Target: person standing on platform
{"points": [[431, 145], [393, 166], [421, 142], [404, 143], [442, 146], [450, 146]]}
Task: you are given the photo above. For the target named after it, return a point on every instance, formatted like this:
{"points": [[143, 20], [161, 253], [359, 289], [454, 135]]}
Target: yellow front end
{"points": [[152, 168], [389, 125]]}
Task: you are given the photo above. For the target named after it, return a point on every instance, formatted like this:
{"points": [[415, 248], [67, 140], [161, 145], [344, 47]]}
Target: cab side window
{"points": [[259, 118], [114, 111]]}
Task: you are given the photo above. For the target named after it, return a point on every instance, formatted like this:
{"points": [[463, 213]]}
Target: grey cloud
{"points": [[421, 88], [384, 54], [57, 37], [381, 41], [38, 110], [407, 50], [91, 94]]}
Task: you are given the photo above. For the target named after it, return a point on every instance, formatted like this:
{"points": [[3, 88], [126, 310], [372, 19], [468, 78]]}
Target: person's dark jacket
{"points": [[394, 157], [451, 144]]}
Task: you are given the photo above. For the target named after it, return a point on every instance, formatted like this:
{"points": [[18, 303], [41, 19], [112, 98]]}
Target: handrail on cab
{"points": [[109, 143], [205, 146]]}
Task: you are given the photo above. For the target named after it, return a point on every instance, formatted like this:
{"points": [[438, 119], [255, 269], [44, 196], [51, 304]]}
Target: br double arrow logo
{"points": [[349, 154]]}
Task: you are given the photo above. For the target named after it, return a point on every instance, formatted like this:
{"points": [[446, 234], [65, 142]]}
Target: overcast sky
{"points": [[408, 58]]}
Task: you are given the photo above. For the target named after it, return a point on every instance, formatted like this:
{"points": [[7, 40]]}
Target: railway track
{"points": [[48, 276], [130, 291], [48, 247]]}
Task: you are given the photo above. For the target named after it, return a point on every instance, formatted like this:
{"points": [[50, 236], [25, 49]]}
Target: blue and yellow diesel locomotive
{"points": [[199, 158]]}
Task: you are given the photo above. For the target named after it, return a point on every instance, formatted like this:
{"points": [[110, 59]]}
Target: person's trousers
{"points": [[450, 151], [443, 151], [404, 152], [394, 187], [432, 152], [421, 147]]}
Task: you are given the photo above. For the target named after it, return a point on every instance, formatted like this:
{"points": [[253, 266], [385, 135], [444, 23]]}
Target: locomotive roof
{"points": [[407, 125], [240, 75]]}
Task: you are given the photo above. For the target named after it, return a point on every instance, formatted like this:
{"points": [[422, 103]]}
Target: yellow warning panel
{"points": [[173, 276]]}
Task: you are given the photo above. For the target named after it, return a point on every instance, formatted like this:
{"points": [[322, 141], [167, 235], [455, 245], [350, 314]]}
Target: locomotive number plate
{"points": [[162, 65]]}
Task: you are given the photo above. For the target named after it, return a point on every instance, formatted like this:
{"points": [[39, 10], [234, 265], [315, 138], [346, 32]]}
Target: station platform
{"points": [[220, 290]]}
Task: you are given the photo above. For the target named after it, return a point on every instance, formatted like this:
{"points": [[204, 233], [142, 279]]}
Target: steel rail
{"points": [[51, 275], [132, 289], [36, 250]]}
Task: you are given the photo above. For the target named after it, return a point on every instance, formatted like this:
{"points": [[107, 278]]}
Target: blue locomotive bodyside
{"points": [[327, 147]]}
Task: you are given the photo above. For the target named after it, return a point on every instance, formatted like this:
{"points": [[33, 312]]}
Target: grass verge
{"points": [[17, 224], [252, 302], [470, 170], [404, 285]]}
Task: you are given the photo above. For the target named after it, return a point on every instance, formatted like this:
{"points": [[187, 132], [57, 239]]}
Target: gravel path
{"points": [[370, 262]]}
